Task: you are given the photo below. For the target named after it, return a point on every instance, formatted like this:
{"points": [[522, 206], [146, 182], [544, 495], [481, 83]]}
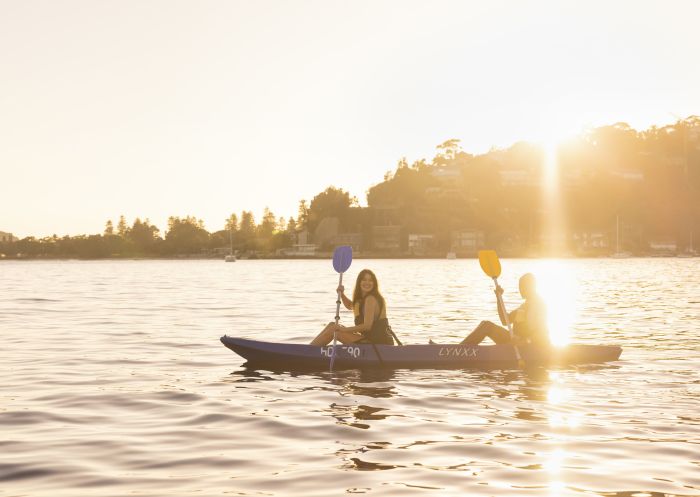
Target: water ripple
{"points": [[114, 383]]}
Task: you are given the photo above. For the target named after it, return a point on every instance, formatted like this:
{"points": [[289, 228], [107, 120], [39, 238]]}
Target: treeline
{"points": [[650, 180], [184, 236]]}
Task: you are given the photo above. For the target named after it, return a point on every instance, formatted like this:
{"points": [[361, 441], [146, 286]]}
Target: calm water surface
{"points": [[114, 383]]}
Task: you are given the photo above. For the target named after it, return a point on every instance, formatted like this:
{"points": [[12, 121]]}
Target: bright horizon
{"points": [[153, 109]]}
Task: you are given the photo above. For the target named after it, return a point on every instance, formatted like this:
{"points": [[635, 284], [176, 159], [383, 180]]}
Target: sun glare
{"points": [[555, 461], [555, 284], [550, 140], [554, 241], [551, 170]]}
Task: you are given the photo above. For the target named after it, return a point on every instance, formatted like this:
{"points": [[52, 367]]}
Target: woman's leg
{"points": [[487, 329], [326, 336], [348, 337]]}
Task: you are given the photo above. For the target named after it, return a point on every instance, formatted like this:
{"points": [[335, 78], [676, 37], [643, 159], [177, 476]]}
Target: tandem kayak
{"points": [[432, 356]]}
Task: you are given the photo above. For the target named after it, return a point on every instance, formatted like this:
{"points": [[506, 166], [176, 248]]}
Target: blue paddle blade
{"points": [[342, 258]]}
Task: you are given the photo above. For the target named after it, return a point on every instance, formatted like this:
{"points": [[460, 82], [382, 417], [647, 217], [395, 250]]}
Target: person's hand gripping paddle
{"points": [[488, 259], [342, 258]]}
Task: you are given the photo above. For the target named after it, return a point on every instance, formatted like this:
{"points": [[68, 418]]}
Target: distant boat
{"points": [[621, 255], [451, 255], [230, 257], [618, 254], [689, 251]]}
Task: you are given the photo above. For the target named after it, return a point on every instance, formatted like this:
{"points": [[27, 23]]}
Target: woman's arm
{"points": [[367, 318], [346, 301], [499, 292]]}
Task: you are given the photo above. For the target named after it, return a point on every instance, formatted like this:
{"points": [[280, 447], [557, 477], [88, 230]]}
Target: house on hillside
{"points": [[590, 242], [519, 177], [7, 237], [628, 174], [446, 173], [467, 242], [662, 248], [352, 239], [326, 231], [300, 250], [420, 244], [386, 229], [386, 238], [301, 245]]}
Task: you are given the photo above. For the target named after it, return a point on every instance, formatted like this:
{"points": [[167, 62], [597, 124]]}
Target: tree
{"points": [[302, 215], [268, 234], [109, 229], [246, 231], [267, 225], [232, 223], [291, 225], [405, 195], [448, 150], [332, 202], [122, 227], [186, 235], [143, 235]]}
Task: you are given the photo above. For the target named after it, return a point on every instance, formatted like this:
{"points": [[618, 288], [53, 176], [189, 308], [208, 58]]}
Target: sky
{"points": [[153, 109]]}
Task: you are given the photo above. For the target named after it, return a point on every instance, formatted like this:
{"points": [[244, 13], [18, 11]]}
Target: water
{"points": [[114, 383]]}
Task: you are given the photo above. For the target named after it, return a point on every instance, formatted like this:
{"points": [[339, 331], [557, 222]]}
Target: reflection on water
{"points": [[115, 384]]}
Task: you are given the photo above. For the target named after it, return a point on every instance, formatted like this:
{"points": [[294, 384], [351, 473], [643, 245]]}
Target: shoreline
{"points": [[329, 256]]}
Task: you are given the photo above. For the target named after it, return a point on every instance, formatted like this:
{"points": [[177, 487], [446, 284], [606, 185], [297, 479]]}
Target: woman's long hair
{"points": [[357, 293]]}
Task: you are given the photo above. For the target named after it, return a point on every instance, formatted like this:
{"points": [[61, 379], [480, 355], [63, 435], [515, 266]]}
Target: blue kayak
{"points": [[432, 356]]}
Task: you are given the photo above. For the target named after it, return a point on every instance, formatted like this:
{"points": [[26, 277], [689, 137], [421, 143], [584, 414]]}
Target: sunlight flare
{"points": [[556, 285], [550, 165], [555, 460], [558, 395]]}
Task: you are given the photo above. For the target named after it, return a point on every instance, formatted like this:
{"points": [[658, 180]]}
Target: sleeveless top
{"points": [[531, 321], [358, 309], [379, 333]]}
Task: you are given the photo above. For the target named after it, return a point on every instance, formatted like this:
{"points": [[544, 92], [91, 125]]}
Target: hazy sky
{"points": [[159, 108]]}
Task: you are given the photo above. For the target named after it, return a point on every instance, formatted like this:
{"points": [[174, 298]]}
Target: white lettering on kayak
{"points": [[457, 352], [327, 351]]}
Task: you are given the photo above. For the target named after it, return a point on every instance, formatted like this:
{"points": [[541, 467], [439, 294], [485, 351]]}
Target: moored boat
{"points": [[429, 356]]}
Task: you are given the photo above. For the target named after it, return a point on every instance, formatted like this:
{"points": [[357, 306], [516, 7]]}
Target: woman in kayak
{"points": [[529, 320], [371, 324]]}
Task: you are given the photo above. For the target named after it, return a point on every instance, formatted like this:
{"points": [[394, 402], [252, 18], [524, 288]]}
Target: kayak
{"points": [[429, 356]]}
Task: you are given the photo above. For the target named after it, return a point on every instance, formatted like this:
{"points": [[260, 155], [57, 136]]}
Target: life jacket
{"points": [[379, 333]]}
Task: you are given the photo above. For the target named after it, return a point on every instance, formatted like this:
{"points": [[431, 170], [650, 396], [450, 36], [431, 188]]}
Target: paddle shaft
{"points": [[337, 317], [502, 309], [395, 337]]}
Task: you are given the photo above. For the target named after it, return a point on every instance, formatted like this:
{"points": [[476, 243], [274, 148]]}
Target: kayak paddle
{"points": [[342, 258], [488, 260]]}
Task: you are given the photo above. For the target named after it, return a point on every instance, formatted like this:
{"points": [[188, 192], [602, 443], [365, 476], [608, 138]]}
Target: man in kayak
{"points": [[529, 320], [369, 308]]}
